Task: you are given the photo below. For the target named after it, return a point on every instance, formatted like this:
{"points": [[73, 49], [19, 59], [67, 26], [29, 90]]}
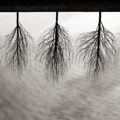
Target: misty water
{"points": [[76, 97]]}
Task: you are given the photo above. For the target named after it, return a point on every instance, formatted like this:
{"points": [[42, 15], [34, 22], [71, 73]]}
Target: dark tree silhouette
{"points": [[96, 48], [17, 48], [54, 51]]}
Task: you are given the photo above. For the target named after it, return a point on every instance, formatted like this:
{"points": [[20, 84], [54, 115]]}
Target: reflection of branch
{"points": [[96, 48], [54, 52], [16, 48]]}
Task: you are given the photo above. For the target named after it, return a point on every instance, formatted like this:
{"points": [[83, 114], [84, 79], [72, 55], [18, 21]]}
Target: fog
{"points": [[76, 96]]}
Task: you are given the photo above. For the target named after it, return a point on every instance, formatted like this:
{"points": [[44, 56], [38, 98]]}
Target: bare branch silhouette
{"points": [[17, 48], [96, 48], [54, 51]]}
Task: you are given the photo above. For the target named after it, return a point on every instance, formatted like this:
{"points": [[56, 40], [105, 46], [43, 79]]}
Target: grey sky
{"points": [[75, 22]]}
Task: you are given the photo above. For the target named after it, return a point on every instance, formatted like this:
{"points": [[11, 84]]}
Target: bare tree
{"points": [[96, 48], [17, 48], [54, 51]]}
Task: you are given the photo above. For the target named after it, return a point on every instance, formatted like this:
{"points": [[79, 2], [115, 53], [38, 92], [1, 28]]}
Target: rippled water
{"points": [[75, 98]]}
